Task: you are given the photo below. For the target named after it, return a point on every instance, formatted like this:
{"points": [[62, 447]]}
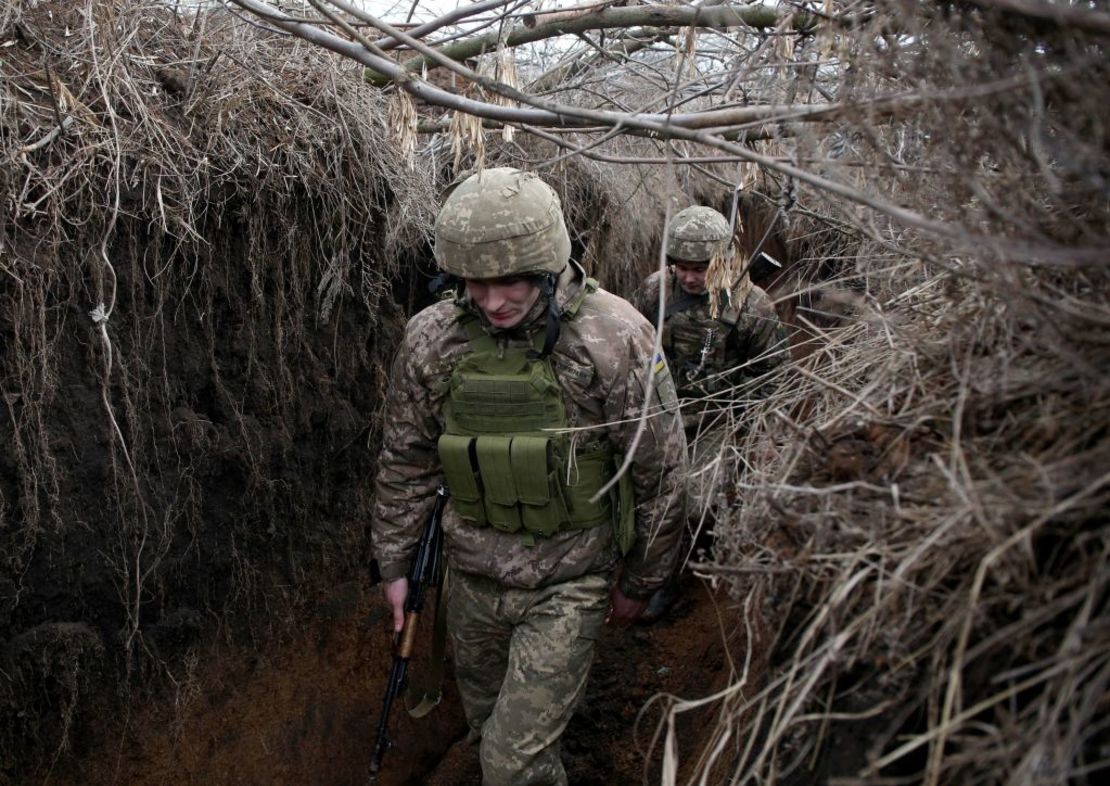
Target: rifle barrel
{"points": [[396, 684]]}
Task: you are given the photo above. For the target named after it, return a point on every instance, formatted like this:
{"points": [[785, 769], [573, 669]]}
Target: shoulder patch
{"points": [[663, 384]]}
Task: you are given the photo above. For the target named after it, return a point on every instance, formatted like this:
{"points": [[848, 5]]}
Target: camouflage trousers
{"points": [[521, 662], [710, 467]]}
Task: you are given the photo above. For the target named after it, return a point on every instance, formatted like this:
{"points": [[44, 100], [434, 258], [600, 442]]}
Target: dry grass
{"points": [[924, 501], [921, 502]]}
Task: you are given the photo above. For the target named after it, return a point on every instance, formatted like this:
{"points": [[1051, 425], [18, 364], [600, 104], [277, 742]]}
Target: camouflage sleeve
{"points": [[408, 465], [760, 336], [646, 298], [659, 463]]}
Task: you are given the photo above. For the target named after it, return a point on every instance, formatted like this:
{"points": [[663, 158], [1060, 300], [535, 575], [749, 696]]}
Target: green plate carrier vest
{"points": [[506, 462], [695, 342]]}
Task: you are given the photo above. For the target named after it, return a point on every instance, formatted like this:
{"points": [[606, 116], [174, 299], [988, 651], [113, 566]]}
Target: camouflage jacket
{"points": [[601, 360], [751, 348]]}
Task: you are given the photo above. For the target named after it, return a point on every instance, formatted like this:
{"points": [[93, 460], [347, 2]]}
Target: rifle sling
{"points": [[681, 302]]}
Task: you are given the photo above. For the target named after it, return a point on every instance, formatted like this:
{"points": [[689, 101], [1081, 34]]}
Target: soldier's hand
{"points": [[395, 592], [624, 610]]}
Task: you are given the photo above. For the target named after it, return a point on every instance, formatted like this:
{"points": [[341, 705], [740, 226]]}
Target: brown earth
{"points": [[304, 711]]}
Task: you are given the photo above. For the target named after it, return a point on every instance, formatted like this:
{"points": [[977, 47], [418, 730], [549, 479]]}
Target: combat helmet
{"points": [[697, 234], [501, 222]]}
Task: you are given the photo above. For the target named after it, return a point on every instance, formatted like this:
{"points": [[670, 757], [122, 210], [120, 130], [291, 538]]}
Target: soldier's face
{"points": [[504, 301], [691, 276]]}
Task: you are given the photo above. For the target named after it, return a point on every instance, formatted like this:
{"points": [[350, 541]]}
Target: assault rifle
{"points": [[424, 573]]}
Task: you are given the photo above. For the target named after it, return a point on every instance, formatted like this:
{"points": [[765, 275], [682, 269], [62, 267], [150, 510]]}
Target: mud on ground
{"points": [[305, 711]]}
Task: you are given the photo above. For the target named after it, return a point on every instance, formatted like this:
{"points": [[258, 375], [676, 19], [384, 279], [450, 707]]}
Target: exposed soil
{"points": [[305, 711]]}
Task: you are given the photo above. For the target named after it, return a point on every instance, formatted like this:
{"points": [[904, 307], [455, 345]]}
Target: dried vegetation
{"points": [[919, 504], [922, 503]]}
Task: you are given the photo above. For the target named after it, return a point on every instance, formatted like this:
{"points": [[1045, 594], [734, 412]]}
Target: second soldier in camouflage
{"points": [[714, 341]]}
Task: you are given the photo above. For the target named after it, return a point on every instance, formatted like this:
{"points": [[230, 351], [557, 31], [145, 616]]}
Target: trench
{"points": [[295, 699]]}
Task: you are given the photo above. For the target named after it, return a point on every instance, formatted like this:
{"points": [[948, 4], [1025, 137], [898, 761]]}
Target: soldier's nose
{"points": [[495, 299]]}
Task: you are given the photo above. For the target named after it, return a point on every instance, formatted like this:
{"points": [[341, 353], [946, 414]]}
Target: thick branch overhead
{"points": [[722, 17]]}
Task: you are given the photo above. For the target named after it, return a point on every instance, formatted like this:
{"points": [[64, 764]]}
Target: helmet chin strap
{"points": [[554, 315]]}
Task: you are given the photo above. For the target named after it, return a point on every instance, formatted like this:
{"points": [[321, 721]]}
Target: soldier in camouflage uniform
{"points": [[523, 392], [710, 354]]}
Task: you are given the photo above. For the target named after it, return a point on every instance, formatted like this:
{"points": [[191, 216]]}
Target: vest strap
{"points": [[682, 302], [589, 286]]}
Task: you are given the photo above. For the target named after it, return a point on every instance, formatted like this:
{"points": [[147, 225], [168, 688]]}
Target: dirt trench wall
{"points": [[198, 462], [237, 479]]}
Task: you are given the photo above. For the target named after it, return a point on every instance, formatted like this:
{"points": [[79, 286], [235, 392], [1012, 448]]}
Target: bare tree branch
{"points": [[450, 18], [533, 29], [634, 42], [705, 128], [551, 114]]}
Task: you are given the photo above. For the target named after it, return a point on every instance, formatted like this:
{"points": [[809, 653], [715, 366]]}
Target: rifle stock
{"points": [[424, 573]]}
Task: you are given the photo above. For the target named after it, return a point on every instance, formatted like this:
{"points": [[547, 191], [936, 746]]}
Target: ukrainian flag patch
{"points": [[659, 364]]}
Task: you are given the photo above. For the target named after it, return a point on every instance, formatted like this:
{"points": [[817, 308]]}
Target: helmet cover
{"points": [[697, 234], [501, 222]]}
